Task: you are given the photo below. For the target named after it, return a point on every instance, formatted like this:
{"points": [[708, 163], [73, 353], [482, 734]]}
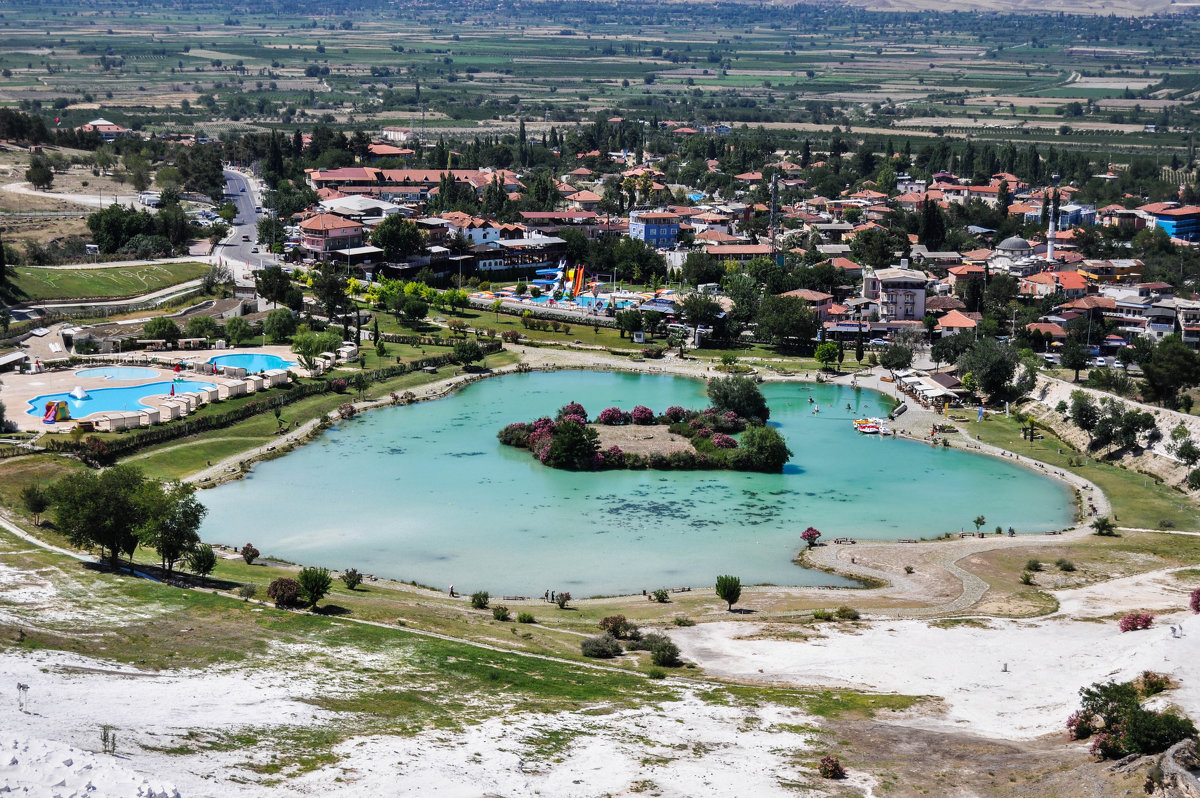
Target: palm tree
{"points": [[1104, 526]]}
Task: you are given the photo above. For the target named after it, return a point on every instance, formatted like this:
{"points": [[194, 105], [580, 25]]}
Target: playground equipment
{"points": [[55, 412], [79, 393]]}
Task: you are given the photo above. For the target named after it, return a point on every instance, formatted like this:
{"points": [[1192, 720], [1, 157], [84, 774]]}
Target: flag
{"points": [[57, 119], [172, 389]]}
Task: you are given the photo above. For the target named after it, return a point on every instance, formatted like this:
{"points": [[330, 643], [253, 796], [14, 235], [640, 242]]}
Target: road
{"points": [[238, 254]]}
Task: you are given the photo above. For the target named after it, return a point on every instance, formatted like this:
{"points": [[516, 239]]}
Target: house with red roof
{"points": [[954, 322], [819, 301], [325, 233]]}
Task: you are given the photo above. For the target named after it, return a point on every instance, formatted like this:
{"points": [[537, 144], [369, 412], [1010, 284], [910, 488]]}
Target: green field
{"points": [[35, 284]]}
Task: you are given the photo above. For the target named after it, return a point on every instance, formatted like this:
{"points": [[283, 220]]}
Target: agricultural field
{"points": [[225, 70]]}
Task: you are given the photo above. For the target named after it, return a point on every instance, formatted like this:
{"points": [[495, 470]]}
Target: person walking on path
{"points": [[451, 591]]}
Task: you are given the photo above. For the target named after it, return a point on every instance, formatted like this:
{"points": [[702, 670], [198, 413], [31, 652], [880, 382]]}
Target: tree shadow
{"points": [[331, 610]]}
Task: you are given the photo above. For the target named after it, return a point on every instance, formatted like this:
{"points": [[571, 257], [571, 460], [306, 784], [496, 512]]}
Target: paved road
{"points": [[243, 192]]}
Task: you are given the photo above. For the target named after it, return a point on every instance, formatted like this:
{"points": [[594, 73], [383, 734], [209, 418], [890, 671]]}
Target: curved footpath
{"points": [[943, 584]]}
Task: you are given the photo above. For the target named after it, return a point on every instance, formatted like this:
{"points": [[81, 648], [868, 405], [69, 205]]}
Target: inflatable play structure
{"points": [[55, 412]]}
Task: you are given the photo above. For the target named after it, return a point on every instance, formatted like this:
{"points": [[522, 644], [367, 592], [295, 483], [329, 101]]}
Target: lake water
{"points": [[426, 492]]}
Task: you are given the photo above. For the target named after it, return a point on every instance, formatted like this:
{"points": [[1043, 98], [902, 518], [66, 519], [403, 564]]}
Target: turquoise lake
{"points": [[427, 493]]}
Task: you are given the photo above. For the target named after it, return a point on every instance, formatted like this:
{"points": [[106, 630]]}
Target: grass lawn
{"points": [[1137, 500], [32, 283]]}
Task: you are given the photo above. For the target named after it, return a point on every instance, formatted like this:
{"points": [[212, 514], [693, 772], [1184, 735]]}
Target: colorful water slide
{"points": [[578, 287]]}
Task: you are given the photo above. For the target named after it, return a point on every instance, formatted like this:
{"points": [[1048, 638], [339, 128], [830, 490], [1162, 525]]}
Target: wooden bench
{"points": [[907, 540], [1053, 532], [514, 598], [681, 590], [844, 540]]}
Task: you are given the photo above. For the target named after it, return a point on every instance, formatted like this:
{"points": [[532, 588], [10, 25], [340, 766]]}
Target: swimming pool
{"points": [[104, 400], [253, 362], [118, 373]]}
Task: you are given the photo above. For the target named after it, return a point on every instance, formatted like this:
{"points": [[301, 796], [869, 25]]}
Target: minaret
{"points": [[1050, 232]]}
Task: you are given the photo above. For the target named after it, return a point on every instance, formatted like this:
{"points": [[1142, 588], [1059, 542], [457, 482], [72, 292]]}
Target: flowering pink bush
{"points": [[730, 417], [810, 536], [704, 432], [1194, 602], [1107, 745], [1135, 621], [572, 409], [1081, 725], [653, 352], [697, 423], [723, 441], [709, 411], [676, 413], [642, 415], [831, 768], [613, 416], [580, 420], [339, 385]]}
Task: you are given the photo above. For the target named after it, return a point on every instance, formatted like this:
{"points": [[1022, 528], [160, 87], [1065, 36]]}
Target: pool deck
{"points": [[19, 389]]}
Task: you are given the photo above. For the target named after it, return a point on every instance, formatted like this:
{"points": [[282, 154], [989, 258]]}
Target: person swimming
{"points": [[810, 400]]}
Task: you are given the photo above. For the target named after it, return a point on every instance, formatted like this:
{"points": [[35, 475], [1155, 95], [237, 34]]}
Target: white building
{"points": [[898, 291]]}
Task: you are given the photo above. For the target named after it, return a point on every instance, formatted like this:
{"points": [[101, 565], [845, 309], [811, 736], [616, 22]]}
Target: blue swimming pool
{"points": [[103, 400], [118, 373], [252, 362]]}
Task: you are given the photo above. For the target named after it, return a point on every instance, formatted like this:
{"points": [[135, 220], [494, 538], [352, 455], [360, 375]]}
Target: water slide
{"points": [[578, 287]]}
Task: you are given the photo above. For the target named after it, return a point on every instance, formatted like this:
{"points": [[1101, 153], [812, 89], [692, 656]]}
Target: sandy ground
{"points": [[1047, 659]]}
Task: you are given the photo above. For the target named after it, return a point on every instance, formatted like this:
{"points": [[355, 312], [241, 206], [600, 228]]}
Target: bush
{"points": [[561, 600], [740, 395], [500, 612], [763, 449], [1152, 683], [248, 590], [908, 569], [284, 591], [847, 614], [656, 673], [619, 626], [831, 768], [661, 596], [1027, 577], [612, 416], [822, 615], [1033, 565], [1063, 564], [339, 385], [600, 647], [314, 584], [1136, 621], [642, 415], [663, 651], [683, 620], [347, 410], [722, 441], [810, 536], [202, 560], [479, 599], [525, 617], [676, 413], [1194, 601], [249, 553], [1081, 725], [351, 578]]}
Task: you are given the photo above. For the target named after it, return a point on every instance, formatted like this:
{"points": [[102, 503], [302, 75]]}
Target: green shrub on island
{"points": [[739, 395], [500, 612], [479, 599], [525, 617], [663, 651]]}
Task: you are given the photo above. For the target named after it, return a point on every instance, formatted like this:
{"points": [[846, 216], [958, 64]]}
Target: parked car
{"points": [[879, 342], [254, 249], [245, 238]]}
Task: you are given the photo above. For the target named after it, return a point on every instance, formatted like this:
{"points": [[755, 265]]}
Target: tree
{"points": [[35, 501], [1074, 356], [788, 320], [237, 330], [1171, 368], [414, 310], [826, 354], [161, 329], [992, 364], [878, 248], [171, 517], [397, 237], [309, 345], [40, 174], [573, 447], [699, 267], [467, 352], [279, 325], [628, 321], [1084, 412], [202, 560], [1104, 527], [979, 521], [272, 284], [315, 584], [351, 578], [700, 310], [932, 227], [729, 589], [896, 357], [284, 591], [202, 327], [762, 449], [739, 394], [330, 289], [100, 510]]}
